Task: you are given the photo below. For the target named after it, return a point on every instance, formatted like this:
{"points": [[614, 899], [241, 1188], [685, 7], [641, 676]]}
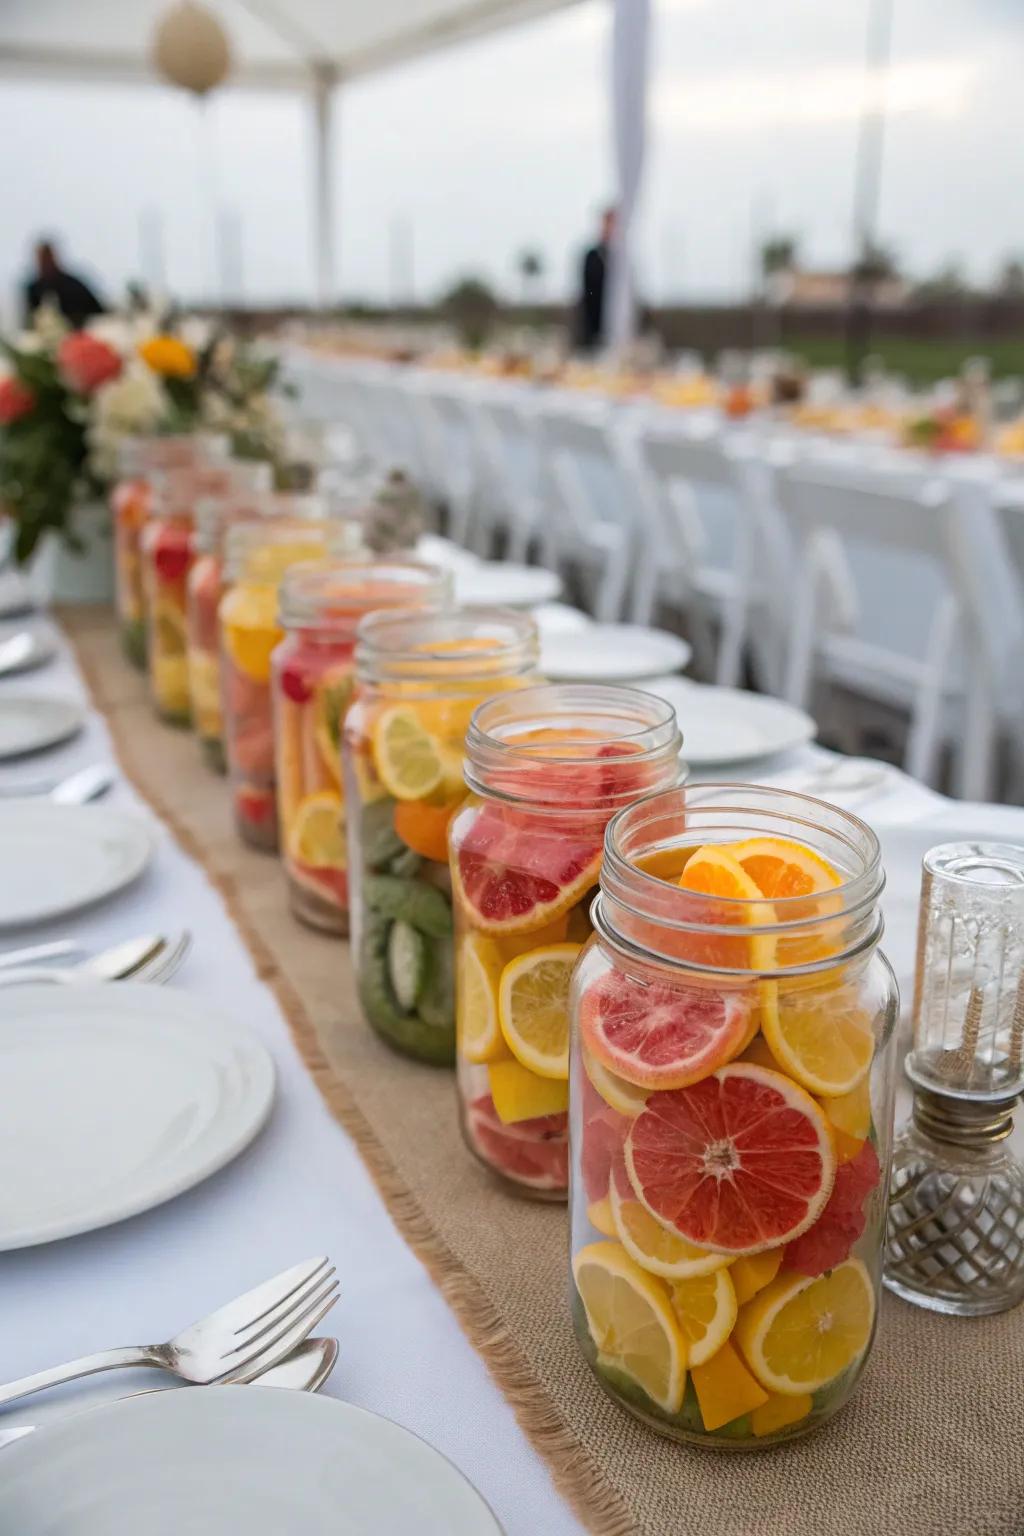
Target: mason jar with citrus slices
{"points": [[547, 767], [313, 683], [139, 459], [731, 1098], [256, 556], [205, 588], [419, 678]]}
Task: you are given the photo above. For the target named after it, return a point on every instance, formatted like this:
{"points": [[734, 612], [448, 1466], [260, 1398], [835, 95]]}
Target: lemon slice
{"points": [[631, 1322], [169, 624], [626, 1098], [408, 758], [824, 1039], [533, 1007], [476, 1013], [654, 1247], [801, 1332], [317, 834], [752, 1273], [599, 1214], [705, 1308]]}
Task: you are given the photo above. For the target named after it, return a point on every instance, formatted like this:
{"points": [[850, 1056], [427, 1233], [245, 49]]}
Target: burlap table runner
{"points": [[931, 1444]]}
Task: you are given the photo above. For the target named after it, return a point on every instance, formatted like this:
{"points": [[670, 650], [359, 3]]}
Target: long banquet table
{"points": [[300, 1189]]}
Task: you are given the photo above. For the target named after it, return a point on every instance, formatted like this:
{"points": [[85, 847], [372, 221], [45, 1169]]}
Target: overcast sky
{"points": [[454, 164]]}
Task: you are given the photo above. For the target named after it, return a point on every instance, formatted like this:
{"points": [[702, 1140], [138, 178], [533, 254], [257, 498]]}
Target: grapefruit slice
{"points": [[738, 1162], [512, 874], [532, 1152], [661, 1037], [829, 1241]]}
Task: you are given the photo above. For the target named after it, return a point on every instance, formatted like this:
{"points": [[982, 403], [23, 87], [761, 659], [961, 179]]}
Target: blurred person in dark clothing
{"points": [[52, 284], [590, 314]]}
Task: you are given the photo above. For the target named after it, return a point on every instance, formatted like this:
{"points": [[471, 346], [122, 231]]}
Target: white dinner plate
{"points": [[506, 585], [728, 725], [22, 650], [31, 725], [55, 859], [612, 653], [226, 1459], [115, 1097]]}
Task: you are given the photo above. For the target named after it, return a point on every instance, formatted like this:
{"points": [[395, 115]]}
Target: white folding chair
{"points": [[509, 504], [590, 515], [688, 480], [926, 645], [448, 450]]}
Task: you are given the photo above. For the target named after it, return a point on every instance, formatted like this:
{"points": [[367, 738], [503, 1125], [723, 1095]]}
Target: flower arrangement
{"points": [[70, 398]]}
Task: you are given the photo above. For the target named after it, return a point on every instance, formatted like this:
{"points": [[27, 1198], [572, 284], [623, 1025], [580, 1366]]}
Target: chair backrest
{"points": [[584, 468]]}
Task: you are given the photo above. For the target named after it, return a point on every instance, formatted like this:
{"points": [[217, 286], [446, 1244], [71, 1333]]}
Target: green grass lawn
{"points": [[922, 362]]}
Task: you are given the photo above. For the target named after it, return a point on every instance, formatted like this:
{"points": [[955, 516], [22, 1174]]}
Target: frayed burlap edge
{"points": [[582, 1484]]}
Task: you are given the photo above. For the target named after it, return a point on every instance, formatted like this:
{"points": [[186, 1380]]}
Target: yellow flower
{"points": [[168, 356]]}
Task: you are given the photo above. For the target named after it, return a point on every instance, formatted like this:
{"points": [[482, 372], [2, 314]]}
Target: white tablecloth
{"points": [[301, 1188]]}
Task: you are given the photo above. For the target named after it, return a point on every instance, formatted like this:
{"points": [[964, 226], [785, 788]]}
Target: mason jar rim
{"points": [[490, 759], [245, 539], [630, 892], [337, 595], [423, 647]]}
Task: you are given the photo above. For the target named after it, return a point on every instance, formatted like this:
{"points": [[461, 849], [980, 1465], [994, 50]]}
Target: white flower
{"points": [[128, 406]]}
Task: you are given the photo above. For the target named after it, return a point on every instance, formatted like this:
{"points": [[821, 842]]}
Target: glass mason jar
{"points": [[731, 1100], [167, 548], [140, 458], [205, 588], [547, 767], [313, 680], [419, 679], [256, 556]]}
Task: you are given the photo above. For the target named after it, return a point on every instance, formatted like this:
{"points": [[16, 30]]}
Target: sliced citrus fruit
{"points": [[631, 1322], [204, 690], [533, 1006], [622, 1095], [656, 1036], [476, 1011], [736, 901], [759, 1051], [849, 1115], [407, 757], [511, 874], [317, 836], [753, 1273], [782, 868], [602, 1138], [725, 1388], [653, 1245], [705, 1308], [801, 1333], [823, 1038], [251, 634], [534, 1152], [512, 944], [841, 1223], [780, 1411], [520, 1094], [424, 828], [599, 1214], [738, 1162]]}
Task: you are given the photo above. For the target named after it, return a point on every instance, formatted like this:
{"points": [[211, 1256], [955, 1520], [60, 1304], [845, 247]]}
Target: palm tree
{"points": [[531, 270], [778, 254]]}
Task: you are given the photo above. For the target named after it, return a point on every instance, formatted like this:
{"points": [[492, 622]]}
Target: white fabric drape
{"points": [[629, 64]]}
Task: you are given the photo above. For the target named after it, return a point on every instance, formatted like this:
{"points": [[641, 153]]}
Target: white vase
{"points": [[56, 573]]}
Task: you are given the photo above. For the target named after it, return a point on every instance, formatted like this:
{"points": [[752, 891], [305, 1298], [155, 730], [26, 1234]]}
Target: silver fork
{"points": [[241, 1339], [152, 959]]}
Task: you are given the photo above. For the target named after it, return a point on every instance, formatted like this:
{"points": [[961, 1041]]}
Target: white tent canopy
{"points": [[314, 46]]}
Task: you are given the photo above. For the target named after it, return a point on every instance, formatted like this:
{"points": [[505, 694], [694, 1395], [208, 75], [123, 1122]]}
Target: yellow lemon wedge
{"points": [[631, 1322], [705, 1308], [801, 1332], [725, 1388], [626, 1098], [752, 1273], [476, 1012], [533, 1007], [520, 1094]]}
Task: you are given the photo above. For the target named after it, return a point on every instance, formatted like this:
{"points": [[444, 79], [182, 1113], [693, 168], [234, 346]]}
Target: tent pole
{"points": [[324, 86], [629, 78]]}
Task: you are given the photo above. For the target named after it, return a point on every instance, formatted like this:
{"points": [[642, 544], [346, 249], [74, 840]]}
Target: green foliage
{"points": [[472, 308]]}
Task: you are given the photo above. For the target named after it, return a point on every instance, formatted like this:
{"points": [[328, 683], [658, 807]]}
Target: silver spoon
{"points": [[115, 964], [305, 1370], [80, 786]]}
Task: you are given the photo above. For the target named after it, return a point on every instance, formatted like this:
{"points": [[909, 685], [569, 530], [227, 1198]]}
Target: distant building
{"points": [[797, 289]]}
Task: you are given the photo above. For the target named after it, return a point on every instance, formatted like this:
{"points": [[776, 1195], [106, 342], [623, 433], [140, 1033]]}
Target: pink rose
{"points": [[16, 400], [85, 362]]}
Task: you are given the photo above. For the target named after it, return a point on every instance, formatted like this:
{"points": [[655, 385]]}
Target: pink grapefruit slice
{"points": [[738, 1162], [662, 1037], [512, 873], [532, 1152]]}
